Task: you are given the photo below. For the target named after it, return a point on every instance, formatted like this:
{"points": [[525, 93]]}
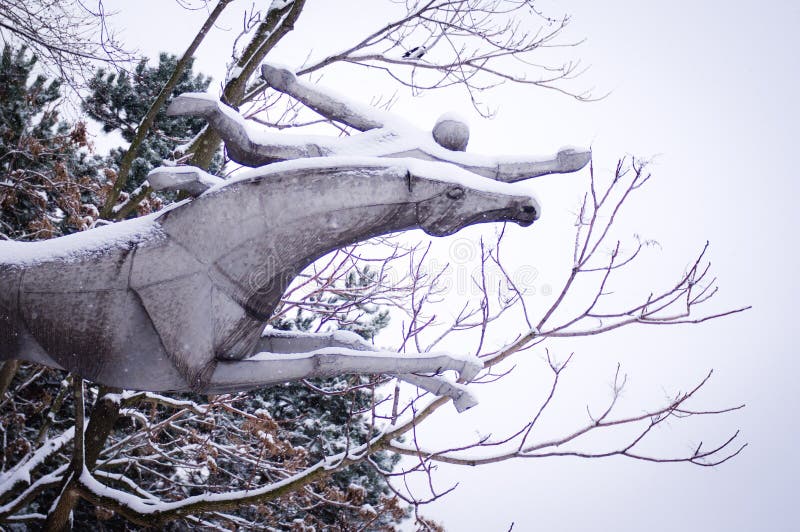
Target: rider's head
{"points": [[451, 132]]}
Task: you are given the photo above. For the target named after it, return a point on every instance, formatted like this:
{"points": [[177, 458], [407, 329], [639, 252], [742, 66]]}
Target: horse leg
{"points": [[284, 357]]}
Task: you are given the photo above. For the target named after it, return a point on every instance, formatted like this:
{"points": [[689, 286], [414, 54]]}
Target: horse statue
{"points": [[178, 300]]}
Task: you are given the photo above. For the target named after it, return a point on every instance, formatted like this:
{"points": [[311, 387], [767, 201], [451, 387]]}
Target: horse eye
{"points": [[455, 193]]}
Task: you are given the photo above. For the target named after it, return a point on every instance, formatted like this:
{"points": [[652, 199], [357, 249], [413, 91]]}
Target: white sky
{"points": [[710, 89]]}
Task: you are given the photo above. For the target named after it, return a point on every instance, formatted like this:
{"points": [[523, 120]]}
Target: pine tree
{"points": [[326, 423], [119, 101], [49, 181]]}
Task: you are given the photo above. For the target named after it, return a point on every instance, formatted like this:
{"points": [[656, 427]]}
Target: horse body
{"points": [[76, 311], [158, 304]]}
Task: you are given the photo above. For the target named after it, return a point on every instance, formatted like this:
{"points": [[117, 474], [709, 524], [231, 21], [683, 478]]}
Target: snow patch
{"points": [[433, 170], [452, 116], [77, 246], [278, 4]]}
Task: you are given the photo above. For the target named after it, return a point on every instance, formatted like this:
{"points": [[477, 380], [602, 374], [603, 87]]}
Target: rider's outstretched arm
{"points": [[328, 104]]}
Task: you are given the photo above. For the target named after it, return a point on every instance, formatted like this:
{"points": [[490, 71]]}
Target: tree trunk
{"points": [[87, 450], [7, 374], [60, 516], [104, 415], [277, 24]]}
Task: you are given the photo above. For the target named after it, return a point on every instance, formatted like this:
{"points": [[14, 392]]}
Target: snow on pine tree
{"points": [[327, 417], [119, 101], [49, 181]]}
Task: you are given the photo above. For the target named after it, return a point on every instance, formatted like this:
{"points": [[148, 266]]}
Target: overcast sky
{"points": [[708, 90]]}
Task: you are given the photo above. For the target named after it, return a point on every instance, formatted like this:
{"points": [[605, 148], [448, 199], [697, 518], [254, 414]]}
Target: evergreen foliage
{"points": [[49, 184], [119, 101], [344, 306], [327, 422]]}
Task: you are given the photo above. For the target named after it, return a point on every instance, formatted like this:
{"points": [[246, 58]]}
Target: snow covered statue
{"points": [[178, 300]]}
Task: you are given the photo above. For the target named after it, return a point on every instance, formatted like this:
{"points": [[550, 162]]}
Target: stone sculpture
{"points": [[178, 300], [383, 135]]}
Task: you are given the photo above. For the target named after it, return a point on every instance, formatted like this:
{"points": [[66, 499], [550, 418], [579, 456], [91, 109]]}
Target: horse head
{"points": [[456, 199]]}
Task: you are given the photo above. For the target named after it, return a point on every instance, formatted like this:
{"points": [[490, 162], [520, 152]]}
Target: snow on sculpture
{"points": [[383, 135], [178, 300]]}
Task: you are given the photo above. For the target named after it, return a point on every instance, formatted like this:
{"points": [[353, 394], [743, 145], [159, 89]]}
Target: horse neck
{"points": [[261, 233], [304, 226], [336, 203]]}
